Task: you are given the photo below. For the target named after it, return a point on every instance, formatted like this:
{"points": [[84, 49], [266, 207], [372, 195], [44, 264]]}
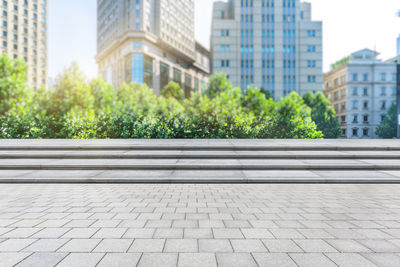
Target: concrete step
{"points": [[192, 154], [197, 164]]}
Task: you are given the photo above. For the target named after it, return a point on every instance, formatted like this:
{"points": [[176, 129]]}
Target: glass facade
{"points": [[289, 46], [139, 69], [164, 75], [247, 44], [268, 46], [188, 85]]}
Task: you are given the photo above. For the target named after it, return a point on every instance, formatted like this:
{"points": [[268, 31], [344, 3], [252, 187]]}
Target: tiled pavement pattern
{"points": [[199, 225]]}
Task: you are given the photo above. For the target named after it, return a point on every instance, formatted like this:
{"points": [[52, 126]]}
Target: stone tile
{"points": [[113, 245], [81, 260], [380, 246], [80, 233], [12, 258], [120, 260], [42, 259], [51, 233], [110, 233], [158, 259], [227, 233], [139, 233], [314, 245], [181, 245], [215, 245], [168, 233], [46, 245], [80, 245], [383, 259], [286, 233], [274, 259], [281, 245], [15, 245], [235, 260], [349, 259], [197, 260], [147, 245], [248, 246], [257, 233], [198, 233], [347, 246], [211, 224], [311, 260], [263, 224], [21, 233]]}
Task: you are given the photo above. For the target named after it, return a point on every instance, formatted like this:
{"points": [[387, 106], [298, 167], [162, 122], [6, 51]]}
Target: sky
{"points": [[348, 26]]}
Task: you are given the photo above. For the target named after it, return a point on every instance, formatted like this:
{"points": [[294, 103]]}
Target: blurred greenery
{"points": [[80, 108], [388, 127]]}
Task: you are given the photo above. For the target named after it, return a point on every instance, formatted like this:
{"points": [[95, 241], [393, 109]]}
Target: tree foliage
{"points": [[323, 114], [81, 108], [388, 128]]}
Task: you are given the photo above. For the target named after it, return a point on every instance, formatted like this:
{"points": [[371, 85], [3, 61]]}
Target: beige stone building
{"points": [[151, 42], [361, 89], [24, 35]]}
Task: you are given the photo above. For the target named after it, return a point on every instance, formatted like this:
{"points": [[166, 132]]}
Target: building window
{"points": [[188, 85], [177, 76], [222, 14], [366, 132], [355, 77], [355, 119], [365, 77], [355, 132], [164, 75], [383, 105], [365, 92], [365, 105], [311, 33], [383, 91], [355, 104], [365, 119], [383, 76], [394, 91], [311, 79], [355, 91]]}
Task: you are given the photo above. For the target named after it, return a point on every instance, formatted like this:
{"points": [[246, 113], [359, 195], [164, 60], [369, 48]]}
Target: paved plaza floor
{"points": [[199, 225]]}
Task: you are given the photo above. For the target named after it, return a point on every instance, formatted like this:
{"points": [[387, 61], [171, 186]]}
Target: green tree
{"points": [[323, 114], [174, 90], [218, 83], [388, 128], [12, 82]]}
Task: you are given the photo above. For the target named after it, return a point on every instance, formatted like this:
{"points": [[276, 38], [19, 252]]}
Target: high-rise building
{"points": [[151, 42], [398, 45], [361, 89], [271, 44], [24, 35]]}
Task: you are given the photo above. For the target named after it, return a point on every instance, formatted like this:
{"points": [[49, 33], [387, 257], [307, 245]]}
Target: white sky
{"points": [[348, 26]]}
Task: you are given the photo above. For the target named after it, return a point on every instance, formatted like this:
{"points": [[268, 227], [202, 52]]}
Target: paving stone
{"points": [[235, 260], [46, 245], [110, 233], [215, 245], [227, 233], [80, 245], [147, 245], [281, 245], [197, 260], [81, 260], [51, 233], [248, 246], [12, 258], [380, 246], [14, 245], [274, 259], [349, 260], [113, 245], [120, 260], [314, 245], [80, 233], [181, 245], [158, 259], [168, 233], [383, 259], [285, 233], [42, 259], [347, 246], [21, 233], [257, 233], [139, 233], [311, 260], [201, 233]]}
